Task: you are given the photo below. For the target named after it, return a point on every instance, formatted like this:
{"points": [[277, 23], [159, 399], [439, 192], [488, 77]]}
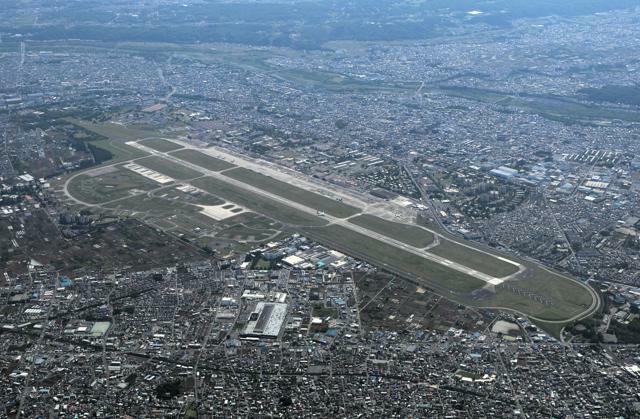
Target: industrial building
{"points": [[266, 321]]}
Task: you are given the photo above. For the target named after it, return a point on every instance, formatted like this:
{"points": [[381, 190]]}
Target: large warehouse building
{"points": [[266, 321]]}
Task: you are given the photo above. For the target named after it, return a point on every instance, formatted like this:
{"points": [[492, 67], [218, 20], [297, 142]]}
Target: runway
{"points": [[265, 168]]}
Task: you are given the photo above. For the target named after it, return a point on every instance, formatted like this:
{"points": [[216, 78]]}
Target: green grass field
{"points": [[114, 131], [169, 215], [168, 168], [240, 232], [194, 198], [343, 83], [108, 186], [293, 193], [161, 223], [411, 235], [193, 223], [161, 145], [537, 292], [257, 203], [252, 220], [547, 106], [152, 206], [203, 160], [388, 256], [119, 150], [474, 259], [257, 221], [566, 298], [250, 227], [112, 139], [561, 297]]}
